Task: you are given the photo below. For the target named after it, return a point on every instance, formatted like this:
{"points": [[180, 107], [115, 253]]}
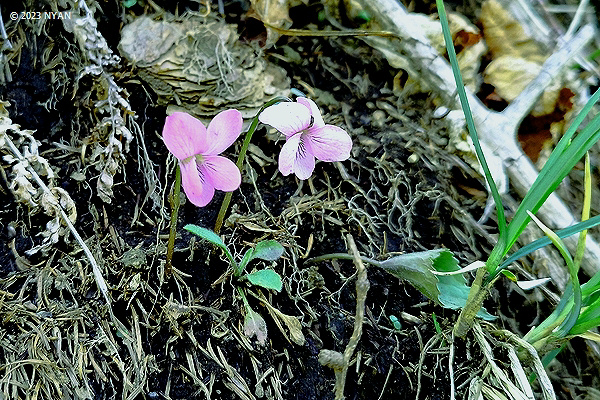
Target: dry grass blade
{"points": [[498, 373], [538, 367]]}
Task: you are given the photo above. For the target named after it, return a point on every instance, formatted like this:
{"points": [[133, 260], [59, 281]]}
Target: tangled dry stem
{"points": [[339, 362]]}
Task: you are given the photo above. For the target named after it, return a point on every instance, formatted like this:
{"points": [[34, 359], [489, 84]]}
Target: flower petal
{"points": [[223, 130], [329, 143], [305, 165], [295, 157], [196, 188], [184, 135], [221, 173], [287, 118], [287, 156], [314, 111]]}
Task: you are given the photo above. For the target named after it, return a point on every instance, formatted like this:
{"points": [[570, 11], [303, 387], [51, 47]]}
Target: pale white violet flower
{"points": [[307, 137]]}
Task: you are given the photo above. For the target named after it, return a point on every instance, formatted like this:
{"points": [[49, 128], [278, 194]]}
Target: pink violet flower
{"points": [[197, 149], [307, 137]]}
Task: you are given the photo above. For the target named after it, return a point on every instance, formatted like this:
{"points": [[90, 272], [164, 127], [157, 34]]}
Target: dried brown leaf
{"points": [[255, 325], [505, 36]]}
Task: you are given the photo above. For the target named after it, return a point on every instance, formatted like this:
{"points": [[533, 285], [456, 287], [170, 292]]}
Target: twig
{"points": [[548, 30], [583, 5], [333, 359]]}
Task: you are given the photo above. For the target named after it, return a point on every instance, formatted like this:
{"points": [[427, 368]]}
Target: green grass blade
{"points": [[589, 318], [543, 242], [573, 314], [585, 213], [567, 153], [546, 327], [470, 123], [592, 286]]}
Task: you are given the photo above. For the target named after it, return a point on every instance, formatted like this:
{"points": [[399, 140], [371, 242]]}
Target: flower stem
{"points": [[172, 231], [241, 157]]}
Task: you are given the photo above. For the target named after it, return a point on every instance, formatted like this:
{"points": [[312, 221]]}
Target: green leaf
{"points": [[571, 319], [206, 234], [588, 319], [569, 150], [210, 236], [585, 212], [416, 269], [509, 275], [450, 286], [544, 241], [245, 260], [462, 94], [268, 250], [266, 278], [436, 324], [449, 291]]}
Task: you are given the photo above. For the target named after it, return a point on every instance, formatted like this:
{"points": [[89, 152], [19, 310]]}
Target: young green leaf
{"points": [[585, 212], [509, 275], [397, 324], [436, 324], [268, 250], [588, 319], [245, 260], [210, 236], [266, 278]]}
